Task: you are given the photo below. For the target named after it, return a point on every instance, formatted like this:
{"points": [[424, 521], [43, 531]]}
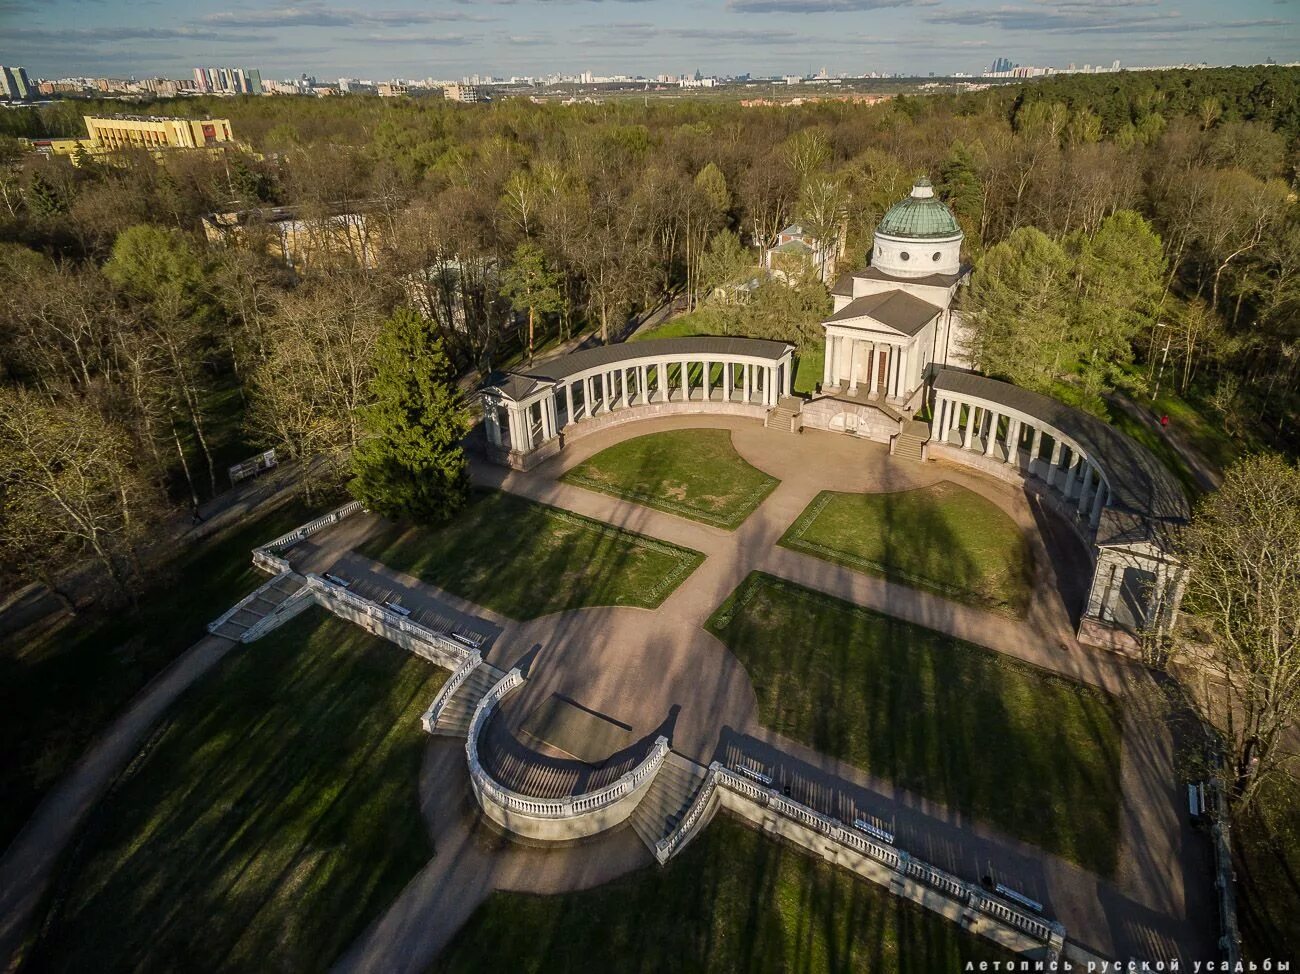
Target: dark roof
{"points": [[929, 280], [1146, 503], [520, 382], [899, 310], [843, 285]]}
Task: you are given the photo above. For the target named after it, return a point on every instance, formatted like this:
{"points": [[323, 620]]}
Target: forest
{"points": [[1123, 229]]}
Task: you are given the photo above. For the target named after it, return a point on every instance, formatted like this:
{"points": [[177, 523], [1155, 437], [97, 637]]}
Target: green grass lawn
{"points": [[809, 365], [693, 473], [62, 687], [268, 821], [1012, 745], [732, 901], [942, 538], [684, 326], [525, 559]]}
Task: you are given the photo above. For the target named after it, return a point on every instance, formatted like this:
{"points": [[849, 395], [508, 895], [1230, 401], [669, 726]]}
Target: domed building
{"points": [[894, 319]]}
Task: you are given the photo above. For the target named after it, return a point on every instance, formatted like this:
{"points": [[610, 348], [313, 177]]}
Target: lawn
{"points": [[1005, 742], [808, 370], [942, 538], [732, 901], [524, 559], [273, 815], [693, 473], [59, 689]]}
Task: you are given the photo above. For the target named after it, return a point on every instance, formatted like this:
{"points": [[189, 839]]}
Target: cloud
{"points": [[812, 6], [415, 39], [1074, 17], [315, 14]]}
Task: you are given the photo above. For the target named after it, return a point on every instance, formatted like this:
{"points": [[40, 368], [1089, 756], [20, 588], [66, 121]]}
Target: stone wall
{"points": [[872, 424]]}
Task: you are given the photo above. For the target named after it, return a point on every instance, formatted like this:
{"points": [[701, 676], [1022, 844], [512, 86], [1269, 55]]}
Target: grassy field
{"points": [[943, 538], [61, 688], [272, 816], [693, 473], [732, 901], [525, 560], [1021, 749]]}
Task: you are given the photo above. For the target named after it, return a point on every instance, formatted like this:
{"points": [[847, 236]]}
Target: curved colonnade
{"points": [[1121, 501], [529, 413]]}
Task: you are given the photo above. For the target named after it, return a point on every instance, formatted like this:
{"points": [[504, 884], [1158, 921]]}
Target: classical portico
{"points": [[892, 321], [528, 414], [1118, 498]]}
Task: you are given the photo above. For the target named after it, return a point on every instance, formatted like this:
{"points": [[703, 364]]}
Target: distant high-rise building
{"points": [[228, 81], [14, 84]]}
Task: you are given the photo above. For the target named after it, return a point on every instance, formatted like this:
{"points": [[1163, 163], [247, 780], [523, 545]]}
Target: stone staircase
{"points": [[455, 717], [784, 416], [908, 444], [669, 796], [255, 608]]}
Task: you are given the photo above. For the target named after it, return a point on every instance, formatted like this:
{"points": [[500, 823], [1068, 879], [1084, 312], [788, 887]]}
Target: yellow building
{"points": [[111, 132]]}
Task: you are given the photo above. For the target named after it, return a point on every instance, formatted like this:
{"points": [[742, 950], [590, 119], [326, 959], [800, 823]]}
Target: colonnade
{"points": [[859, 361], [550, 406], [1038, 450]]}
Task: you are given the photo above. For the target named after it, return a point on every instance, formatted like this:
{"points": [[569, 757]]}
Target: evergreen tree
{"points": [[532, 286], [410, 463]]}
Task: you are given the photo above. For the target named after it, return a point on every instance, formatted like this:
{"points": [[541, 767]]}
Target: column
{"points": [[622, 379], [727, 377], [769, 385], [1073, 475], [1098, 502], [828, 355], [685, 373], [853, 366], [991, 442], [605, 396], [492, 422], [705, 375], [551, 410], [747, 382], [788, 375], [903, 356], [954, 418], [876, 384], [518, 441], [891, 370], [1054, 463], [970, 428], [1035, 451], [641, 384], [663, 381], [1013, 441], [568, 401], [936, 421], [587, 395]]}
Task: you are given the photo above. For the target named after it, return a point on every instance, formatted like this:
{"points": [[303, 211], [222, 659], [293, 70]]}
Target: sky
{"points": [[449, 39]]}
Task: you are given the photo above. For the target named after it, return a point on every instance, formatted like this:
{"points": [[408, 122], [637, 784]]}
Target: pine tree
{"points": [[410, 464]]}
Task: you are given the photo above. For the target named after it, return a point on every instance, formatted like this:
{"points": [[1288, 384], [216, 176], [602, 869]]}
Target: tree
{"points": [[410, 463], [1242, 553], [532, 286], [69, 489], [1019, 308]]}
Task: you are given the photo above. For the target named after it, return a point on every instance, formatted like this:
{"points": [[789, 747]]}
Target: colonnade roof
{"points": [[1147, 503], [522, 382]]}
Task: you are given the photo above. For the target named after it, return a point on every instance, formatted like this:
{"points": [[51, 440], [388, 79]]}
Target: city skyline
{"points": [[403, 38]]}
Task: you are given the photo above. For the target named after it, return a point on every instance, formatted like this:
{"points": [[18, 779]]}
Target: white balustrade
{"points": [[430, 718], [264, 558], [549, 808]]}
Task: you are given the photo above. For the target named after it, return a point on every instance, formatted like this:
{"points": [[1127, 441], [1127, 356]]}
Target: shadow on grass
{"points": [[266, 821], [986, 735], [525, 559]]}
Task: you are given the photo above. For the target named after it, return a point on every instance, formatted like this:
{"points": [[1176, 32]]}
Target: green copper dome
{"points": [[922, 215]]}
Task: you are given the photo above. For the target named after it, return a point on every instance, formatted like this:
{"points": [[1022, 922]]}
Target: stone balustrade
{"points": [[265, 557], [571, 817], [906, 875], [429, 720]]}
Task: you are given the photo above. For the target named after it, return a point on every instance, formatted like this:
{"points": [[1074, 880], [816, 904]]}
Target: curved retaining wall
{"points": [[554, 819]]}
